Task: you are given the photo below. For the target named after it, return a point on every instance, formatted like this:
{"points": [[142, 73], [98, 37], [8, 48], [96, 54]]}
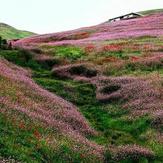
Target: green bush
{"points": [[3, 44], [0, 42]]}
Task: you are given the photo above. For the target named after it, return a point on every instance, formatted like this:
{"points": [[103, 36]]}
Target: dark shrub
{"points": [[82, 70], [148, 65], [131, 66], [110, 89], [77, 70], [4, 42], [48, 63], [91, 73], [0, 42], [26, 55], [108, 157], [38, 51]]}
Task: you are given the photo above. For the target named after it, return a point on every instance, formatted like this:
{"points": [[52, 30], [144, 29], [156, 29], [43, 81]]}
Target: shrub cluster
{"points": [[4, 45], [83, 71]]}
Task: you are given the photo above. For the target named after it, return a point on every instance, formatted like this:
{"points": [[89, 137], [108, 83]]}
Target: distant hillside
{"points": [[144, 26], [9, 32], [150, 11]]}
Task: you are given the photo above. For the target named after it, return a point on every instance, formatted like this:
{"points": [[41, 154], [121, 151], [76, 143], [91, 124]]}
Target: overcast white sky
{"points": [[46, 16]]}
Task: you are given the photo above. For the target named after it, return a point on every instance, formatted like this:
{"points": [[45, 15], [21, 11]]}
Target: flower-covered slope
{"points": [[144, 26], [51, 109], [112, 73], [19, 93]]}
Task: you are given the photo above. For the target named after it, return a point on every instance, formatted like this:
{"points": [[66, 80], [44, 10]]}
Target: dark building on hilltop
{"points": [[126, 17]]}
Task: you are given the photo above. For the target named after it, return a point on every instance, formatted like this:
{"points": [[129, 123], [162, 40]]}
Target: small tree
{"points": [[4, 44], [4, 41], [0, 42]]}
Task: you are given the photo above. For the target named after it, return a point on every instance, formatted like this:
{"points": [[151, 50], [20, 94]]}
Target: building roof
{"points": [[122, 16]]}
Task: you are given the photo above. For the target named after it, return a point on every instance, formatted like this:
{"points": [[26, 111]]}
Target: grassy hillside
{"points": [[37, 126], [151, 11], [120, 122], [79, 96], [8, 32]]}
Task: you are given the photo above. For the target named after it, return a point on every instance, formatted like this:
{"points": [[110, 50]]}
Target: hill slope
{"points": [[41, 122], [151, 11], [144, 26], [8, 32], [89, 95]]}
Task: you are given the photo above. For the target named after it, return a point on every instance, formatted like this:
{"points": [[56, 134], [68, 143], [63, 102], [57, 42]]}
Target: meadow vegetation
{"points": [[110, 120], [111, 96]]}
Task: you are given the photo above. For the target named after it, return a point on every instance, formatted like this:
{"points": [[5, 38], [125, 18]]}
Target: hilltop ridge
{"points": [[150, 25], [8, 32], [148, 12]]}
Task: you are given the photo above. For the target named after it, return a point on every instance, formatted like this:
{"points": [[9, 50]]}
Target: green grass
{"points": [[135, 68], [120, 54], [81, 94], [22, 144], [71, 53], [18, 143], [8, 32], [70, 90], [110, 120], [21, 58]]}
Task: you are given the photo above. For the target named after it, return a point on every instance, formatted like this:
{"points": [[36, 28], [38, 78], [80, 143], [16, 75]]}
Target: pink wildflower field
{"points": [[150, 25], [93, 94]]}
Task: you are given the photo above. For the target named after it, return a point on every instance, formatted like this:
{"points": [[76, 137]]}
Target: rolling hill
{"points": [[148, 12], [148, 25], [93, 94], [9, 32]]}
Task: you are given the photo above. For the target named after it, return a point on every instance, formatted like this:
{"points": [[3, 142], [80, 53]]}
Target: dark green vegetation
{"points": [[110, 89], [135, 68], [83, 71], [8, 32], [21, 58], [4, 45], [110, 120], [120, 54], [26, 140]]}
